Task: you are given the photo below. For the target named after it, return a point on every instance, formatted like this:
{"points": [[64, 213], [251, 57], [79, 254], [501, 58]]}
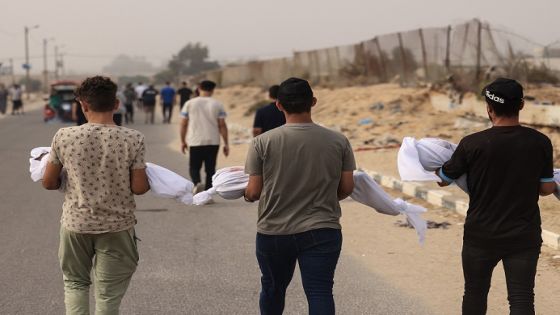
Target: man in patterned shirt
{"points": [[105, 167]]}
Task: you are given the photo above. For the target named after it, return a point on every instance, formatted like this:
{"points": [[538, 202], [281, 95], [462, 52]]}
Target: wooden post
{"points": [[382, 61], [465, 39], [447, 50], [424, 55], [478, 52], [403, 58]]}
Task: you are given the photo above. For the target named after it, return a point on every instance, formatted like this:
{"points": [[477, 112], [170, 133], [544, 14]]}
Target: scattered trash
{"points": [[431, 224], [556, 257], [377, 106], [365, 121]]}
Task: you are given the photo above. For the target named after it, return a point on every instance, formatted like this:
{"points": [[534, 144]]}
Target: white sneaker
{"points": [[198, 188]]}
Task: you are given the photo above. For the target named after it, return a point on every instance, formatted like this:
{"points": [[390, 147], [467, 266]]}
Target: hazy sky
{"points": [[93, 32]]}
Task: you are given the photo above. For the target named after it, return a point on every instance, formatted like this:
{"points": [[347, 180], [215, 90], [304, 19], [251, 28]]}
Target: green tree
{"points": [[191, 59]]}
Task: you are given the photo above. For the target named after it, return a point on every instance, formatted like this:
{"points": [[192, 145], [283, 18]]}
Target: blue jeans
{"points": [[520, 266], [317, 253]]}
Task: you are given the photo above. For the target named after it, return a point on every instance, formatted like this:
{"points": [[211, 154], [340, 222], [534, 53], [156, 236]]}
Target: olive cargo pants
{"points": [[113, 258]]}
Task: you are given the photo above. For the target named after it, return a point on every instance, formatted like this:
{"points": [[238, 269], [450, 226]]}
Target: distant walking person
{"points": [[167, 99], [184, 94], [508, 166], [139, 89], [269, 116], [130, 98], [149, 97], [105, 168], [3, 99], [204, 120], [299, 172], [17, 101]]}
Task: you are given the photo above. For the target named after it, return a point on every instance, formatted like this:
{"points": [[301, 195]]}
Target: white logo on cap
{"points": [[495, 98]]}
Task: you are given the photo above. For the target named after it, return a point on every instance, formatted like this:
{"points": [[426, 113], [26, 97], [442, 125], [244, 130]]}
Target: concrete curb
{"points": [[442, 198]]}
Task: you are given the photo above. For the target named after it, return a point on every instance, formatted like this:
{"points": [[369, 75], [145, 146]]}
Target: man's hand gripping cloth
{"points": [[229, 183], [163, 182], [168, 184], [368, 192], [419, 159]]}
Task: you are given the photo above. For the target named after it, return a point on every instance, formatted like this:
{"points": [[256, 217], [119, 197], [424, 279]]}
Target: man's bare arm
{"points": [[183, 134], [139, 183], [51, 178], [254, 188], [224, 133], [346, 185], [547, 188]]}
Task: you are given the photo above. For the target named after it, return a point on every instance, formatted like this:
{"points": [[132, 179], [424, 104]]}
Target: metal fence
{"points": [[471, 52]]}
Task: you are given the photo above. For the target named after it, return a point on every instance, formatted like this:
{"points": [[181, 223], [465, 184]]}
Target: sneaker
{"points": [[198, 188]]}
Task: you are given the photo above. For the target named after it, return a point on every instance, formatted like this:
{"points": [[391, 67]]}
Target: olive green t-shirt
{"points": [[301, 166], [98, 159]]}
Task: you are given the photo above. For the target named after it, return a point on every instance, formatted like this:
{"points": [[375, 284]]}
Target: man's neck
{"points": [[505, 121], [205, 94], [105, 118], [301, 118]]}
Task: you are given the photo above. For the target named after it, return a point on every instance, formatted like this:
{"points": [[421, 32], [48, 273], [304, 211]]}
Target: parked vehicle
{"points": [[59, 106]]}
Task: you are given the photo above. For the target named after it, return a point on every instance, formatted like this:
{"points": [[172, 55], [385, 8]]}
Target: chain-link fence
{"points": [[469, 54]]}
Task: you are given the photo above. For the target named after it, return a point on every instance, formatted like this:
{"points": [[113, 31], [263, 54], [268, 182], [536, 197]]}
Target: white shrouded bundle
{"points": [[168, 184], [229, 183], [419, 159], [163, 182], [368, 192]]}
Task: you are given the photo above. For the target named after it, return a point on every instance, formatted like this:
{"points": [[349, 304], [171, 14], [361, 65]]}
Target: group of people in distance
{"points": [[298, 172], [15, 93], [143, 97]]}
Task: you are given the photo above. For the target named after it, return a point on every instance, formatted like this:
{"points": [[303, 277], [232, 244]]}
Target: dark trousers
{"points": [[207, 154], [129, 116], [316, 252], [167, 111], [520, 267]]}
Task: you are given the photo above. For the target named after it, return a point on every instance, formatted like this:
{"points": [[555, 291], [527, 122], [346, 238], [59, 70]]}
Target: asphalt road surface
{"points": [[193, 260]]}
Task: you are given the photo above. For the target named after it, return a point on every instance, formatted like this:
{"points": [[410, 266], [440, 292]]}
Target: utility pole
{"points": [[56, 62], [12, 71], [27, 66], [45, 71]]}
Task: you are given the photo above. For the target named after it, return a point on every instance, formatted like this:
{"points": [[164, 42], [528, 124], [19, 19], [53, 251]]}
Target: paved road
{"points": [[194, 260]]}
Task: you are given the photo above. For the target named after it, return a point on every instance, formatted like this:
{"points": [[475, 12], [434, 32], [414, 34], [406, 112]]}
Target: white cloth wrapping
{"points": [[229, 183], [38, 165], [168, 184], [368, 192], [38, 162], [163, 182], [419, 159]]}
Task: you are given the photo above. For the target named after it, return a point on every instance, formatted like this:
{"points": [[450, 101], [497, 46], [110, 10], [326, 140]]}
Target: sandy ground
{"points": [[378, 117]]}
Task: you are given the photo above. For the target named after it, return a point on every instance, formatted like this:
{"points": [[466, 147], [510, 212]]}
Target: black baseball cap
{"points": [[504, 91]]}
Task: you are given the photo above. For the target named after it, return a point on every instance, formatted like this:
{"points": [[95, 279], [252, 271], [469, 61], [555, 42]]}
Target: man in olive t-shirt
{"points": [[299, 172]]}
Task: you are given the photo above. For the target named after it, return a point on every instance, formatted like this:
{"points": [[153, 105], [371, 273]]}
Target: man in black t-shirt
{"points": [[269, 116], [184, 94], [507, 167], [149, 102]]}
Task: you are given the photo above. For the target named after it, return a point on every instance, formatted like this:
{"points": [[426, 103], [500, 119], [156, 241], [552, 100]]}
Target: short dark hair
{"points": [[167, 82], [273, 92], [184, 83], [505, 110], [207, 85], [99, 92], [295, 96]]}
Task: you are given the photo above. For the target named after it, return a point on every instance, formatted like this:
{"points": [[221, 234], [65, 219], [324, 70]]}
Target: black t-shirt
{"points": [[184, 95], [269, 117], [505, 167], [149, 96]]}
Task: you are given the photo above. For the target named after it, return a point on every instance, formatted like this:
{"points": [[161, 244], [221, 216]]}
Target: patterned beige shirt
{"points": [[98, 159]]}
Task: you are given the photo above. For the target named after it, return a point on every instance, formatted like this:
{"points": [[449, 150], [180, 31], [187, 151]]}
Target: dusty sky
{"points": [[93, 32]]}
